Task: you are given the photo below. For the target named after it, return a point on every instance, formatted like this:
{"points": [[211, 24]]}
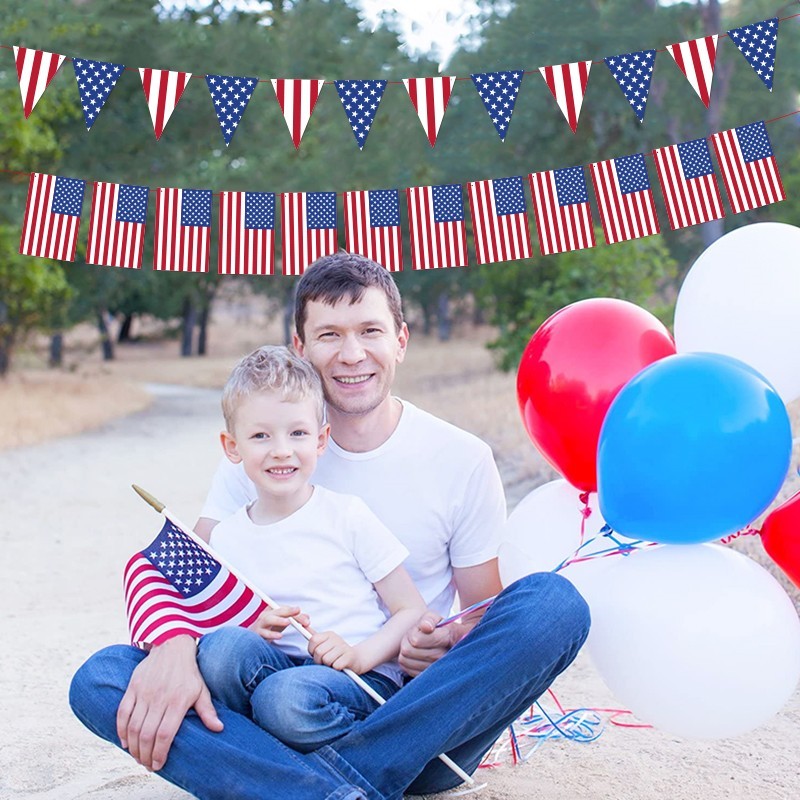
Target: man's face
{"points": [[355, 348]]}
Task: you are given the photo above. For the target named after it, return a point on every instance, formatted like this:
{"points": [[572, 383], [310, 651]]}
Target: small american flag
{"points": [[174, 587], [308, 228], [500, 221], [561, 209], [162, 90], [52, 217], [624, 198], [95, 80], [437, 233], [372, 226], [116, 225], [183, 230], [748, 167], [689, 184], [246, 233], [35, 70]]}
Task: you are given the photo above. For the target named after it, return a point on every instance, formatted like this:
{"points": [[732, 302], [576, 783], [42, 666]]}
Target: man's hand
{"points": [[424, 643], [330, 649], [163, 688], [272, 622]]}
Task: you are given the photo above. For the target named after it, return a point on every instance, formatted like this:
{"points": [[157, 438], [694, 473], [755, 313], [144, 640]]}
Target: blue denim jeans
{"points": [[303, 704], [459, 705]]}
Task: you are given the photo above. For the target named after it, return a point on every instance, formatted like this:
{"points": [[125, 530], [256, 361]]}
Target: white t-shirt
{"points": [[433, 485], [325, 559]]}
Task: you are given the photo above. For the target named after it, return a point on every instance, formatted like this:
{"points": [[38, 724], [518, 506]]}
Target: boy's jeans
{"points": [[459, 705]]}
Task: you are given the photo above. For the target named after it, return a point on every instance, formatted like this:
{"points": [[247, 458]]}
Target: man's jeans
{"points": [[303, 704], [459, 706]]}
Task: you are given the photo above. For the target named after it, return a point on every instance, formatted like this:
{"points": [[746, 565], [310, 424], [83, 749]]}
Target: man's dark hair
{"points": [[340, 275]]}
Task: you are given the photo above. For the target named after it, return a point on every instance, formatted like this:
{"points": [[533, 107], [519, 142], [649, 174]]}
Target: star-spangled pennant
{"points": [[758, 43], [633, 72], [230, 95], [297, 99], [567, 83], [95, 80], [360, 100], [163, 90], [499, 91], [430, 97], [696, 59], [35, 70]]}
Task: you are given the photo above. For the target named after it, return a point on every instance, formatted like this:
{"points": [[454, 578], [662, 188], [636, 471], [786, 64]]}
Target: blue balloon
{"points": [[694, 447]]}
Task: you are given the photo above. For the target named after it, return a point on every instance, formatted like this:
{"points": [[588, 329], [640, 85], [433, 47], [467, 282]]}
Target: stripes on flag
{"points": [[162, 90], [183, 230], [748, 167], [35, 70], [246, 233], [562, 211], [499, 219], [308, 229], [297, 99], [689, 184], [372, 226], [437, 231], [52, 217], [430, 97], [567, 83], [624, 198], [695, 59], [116, 225]]}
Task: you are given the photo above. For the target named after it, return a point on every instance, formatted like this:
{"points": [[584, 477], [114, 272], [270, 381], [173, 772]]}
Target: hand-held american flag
{"points": [[116, 225], [246, 233], [183, 230], [438, 234], [372, 226], [500, 221], [308, 228], [35, 70]]}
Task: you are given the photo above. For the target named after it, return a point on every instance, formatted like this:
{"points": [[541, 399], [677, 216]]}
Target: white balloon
{"points": [[741, 298], [697, 640]]}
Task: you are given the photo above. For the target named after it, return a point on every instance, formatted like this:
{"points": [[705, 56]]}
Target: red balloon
{"points": [[780, 535], [571, 370]]}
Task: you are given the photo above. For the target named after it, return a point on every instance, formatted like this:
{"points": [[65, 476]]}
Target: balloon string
{"points": [[586, 512], [748, 531]]}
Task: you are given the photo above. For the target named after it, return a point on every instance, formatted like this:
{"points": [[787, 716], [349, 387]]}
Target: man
{"points": [[438, 491]]}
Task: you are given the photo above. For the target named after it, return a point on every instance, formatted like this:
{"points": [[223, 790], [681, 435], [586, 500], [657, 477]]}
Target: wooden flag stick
{"points": [[357, 679]]}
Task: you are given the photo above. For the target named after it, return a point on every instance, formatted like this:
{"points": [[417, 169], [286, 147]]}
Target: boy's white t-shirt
{"points": [[324, 558], [435, 486]]}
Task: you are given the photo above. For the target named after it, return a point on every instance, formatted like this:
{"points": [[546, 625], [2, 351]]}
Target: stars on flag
{"points": [[230, 95], [360, 100], [633, 73], [498, 91], [95, 81], [758, 43]]}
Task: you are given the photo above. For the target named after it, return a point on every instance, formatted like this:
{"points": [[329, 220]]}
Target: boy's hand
{"points": [[273, 621], [330, 649], [425, 644]]}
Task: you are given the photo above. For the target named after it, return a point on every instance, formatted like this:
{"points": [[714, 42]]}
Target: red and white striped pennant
{"points": [[696, 59], [567, 83], [162, 90], [297, 99], [35, 70], [430, 97]]}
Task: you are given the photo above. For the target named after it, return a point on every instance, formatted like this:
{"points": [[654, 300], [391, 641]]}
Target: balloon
{"points": [[571, 370], [697, 640], [780, 535], [693, 448], [741, 298]]}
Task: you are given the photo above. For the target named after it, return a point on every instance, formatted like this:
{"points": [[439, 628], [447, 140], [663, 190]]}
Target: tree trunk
{"points": [[444, 322], [5, 355], [202, 334], [105, 336], [189, 322], [124, 334], [56, 350]]}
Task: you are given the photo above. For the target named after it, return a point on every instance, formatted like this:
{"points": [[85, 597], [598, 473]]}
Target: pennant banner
{"points": [[499, 91], [758, 43], [372, 226], [162, 90], [35, 70], [500, 221], [633, 73], [116, 225], [696, 59], [246, 233], [230, 95], [308, 228], [95, 80], [567, 83], [430, 97], [52, 217], [183, 230], [297, 99], [360, 100], [438, 233]]}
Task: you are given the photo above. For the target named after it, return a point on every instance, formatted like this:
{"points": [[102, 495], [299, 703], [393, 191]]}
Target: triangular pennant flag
{"points": [[95, 80], [430, 97], [230, 95], [297, 99], [35, 70], [163, 90], [360, 100], [633, 72], [758, 43], [499, 91], [696, 59], [567, 83]]}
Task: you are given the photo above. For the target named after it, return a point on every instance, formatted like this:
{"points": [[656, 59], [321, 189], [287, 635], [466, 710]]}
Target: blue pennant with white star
{"points": [[360, 100], [499, 91], [95, 80], [633, 72], [758, 43], [230, 95]]}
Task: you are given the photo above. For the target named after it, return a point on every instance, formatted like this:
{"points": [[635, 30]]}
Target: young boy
{"points": [[324, 556]]}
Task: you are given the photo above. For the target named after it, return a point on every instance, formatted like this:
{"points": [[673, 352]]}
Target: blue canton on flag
{"points": [[132, 203], [632, 174], [633, 72], [95, 80], [571, 186], [695, 159], [753, 141], [321, 210], [68, 196], [508, 196], [187, 567], [259, 210], [384, 208], [499, 91], [230, 95], [196, 208], [448, 204], [758, 43], [360, 100]]}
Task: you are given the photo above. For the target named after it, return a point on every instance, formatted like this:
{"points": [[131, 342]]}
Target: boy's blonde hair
{"points": [[272, 369]]}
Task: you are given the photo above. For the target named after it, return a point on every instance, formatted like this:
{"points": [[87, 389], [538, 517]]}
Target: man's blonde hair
{"points": [[272, 369]]}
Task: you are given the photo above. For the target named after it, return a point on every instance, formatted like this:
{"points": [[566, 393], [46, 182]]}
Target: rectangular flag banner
{"points": [[183, 230], [174, 587], [499, 219], [438, 233], [372, 226], [561, 210], [246, 233], [52, 217], [689, 184], [748, 167], [116, 225], [624, 198], [308, 229]]}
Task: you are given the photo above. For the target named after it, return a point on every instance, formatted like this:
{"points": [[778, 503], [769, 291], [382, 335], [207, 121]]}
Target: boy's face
{"points": [[355, 348], [277, 441]]}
